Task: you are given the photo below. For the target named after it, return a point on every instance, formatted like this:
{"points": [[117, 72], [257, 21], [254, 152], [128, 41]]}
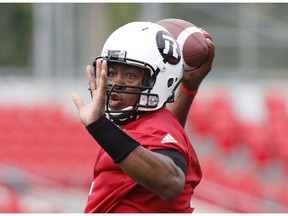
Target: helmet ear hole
{"points": [[170, 82]]}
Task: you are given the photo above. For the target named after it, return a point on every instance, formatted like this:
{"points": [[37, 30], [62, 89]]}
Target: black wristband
{"points": [[112, 139]]}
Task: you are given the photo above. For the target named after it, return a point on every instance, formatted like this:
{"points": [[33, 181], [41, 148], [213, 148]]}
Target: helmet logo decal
{"points": [[168, 48]]}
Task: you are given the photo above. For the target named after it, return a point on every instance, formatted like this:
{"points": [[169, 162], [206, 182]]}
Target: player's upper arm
{"points": [[176, 156]]}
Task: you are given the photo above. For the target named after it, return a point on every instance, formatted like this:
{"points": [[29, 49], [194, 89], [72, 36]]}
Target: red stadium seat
{"points": [[47, 142]]}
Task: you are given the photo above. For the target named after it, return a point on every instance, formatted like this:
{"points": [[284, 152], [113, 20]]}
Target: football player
{"points": [[146, 163]]}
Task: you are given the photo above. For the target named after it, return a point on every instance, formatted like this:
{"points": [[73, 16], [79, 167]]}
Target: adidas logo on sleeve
{"points": [[168, 139]]}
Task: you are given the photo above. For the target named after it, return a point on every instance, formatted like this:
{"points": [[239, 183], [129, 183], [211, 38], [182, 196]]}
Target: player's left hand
{"points": [[91, 112], [193, 78]]}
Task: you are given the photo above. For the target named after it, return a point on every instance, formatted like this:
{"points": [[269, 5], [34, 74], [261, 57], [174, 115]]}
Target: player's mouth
{"points": [[116, 102]]}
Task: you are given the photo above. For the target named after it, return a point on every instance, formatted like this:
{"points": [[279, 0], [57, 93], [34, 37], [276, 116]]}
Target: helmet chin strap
{"points": [[124, 116]]}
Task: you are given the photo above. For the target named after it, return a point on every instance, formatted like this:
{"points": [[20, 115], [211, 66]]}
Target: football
{"points": [[190, 39]]}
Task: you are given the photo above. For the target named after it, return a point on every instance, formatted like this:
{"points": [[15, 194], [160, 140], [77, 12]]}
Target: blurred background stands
{"points": [[238, 123]]}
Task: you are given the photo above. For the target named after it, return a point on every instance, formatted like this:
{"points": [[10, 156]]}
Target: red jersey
{"points": [[113, 191]]}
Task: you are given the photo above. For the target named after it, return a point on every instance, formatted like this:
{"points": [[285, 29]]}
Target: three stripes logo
{"points": [[168, 139]]}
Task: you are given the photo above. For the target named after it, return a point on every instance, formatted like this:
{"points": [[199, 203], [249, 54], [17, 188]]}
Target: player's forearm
{"points": [[156, 172]]}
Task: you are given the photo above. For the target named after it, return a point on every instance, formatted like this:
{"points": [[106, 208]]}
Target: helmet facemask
{"points": [[146, 99]]}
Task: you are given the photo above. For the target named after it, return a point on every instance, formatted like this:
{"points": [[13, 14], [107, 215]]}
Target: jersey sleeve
{"points": [[161, 132]]}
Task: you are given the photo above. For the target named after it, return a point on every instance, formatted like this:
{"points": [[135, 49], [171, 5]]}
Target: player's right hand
{"points": [[193, 78], [92, 111]]}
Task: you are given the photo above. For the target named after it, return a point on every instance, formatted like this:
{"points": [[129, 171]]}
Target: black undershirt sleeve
{"points": [[176, 156]]}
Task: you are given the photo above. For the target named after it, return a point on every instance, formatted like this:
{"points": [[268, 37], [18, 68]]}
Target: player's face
{"points": [[121, 74]]}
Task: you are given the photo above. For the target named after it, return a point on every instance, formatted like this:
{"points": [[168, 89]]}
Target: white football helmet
{"points": [[150, 46]]}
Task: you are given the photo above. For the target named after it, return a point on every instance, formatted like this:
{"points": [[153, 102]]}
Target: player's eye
{"points": [[131, 75], [111, 74]]}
